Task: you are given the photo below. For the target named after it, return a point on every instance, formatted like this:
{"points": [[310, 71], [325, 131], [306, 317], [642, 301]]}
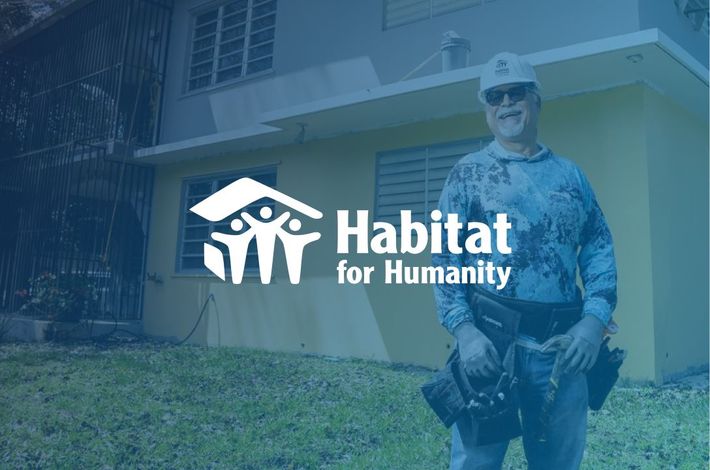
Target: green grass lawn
{"points": [[146, 405]]}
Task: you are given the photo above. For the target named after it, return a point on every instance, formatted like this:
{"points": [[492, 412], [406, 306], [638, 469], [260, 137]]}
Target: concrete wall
{"points": [[677, 148], [312, 33], [604, 132], [318, 315]]}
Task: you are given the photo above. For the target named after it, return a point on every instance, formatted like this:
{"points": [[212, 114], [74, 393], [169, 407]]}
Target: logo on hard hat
{"points": [[502, 67]]}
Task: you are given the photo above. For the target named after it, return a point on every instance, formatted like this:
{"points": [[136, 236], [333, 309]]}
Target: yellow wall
{"points": [[603, 132], [318, 315], [677, 147]]}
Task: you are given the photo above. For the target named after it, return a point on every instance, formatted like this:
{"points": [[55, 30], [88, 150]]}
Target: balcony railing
{"points": [[90, 79]]}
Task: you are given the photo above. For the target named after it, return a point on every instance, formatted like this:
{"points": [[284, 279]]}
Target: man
{"points": [[556, 225]]}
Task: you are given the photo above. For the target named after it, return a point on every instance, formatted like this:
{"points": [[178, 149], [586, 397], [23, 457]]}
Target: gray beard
{"points": [[512, 131]]}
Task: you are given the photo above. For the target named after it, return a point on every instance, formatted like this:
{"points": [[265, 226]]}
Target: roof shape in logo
{"points": [[240, 194]]}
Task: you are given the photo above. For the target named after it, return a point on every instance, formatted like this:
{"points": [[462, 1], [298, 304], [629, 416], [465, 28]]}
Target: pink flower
{"points": [[21, 293]]}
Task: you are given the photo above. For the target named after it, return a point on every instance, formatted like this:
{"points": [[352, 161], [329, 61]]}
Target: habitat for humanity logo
{"points": [[381, 238], [502, 68], [235, 197]]}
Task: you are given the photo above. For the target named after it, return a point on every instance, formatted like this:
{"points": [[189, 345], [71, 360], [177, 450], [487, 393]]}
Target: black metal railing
{"points": [[85, 86], [95, 74], [70, 211]]}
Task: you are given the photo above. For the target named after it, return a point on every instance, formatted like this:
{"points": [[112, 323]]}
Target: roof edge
{"points": [[473, 72], [26, 32], [273, 120], [683, 57]]}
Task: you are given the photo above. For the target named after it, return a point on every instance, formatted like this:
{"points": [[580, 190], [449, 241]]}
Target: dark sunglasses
{"points": [[516, 93]]}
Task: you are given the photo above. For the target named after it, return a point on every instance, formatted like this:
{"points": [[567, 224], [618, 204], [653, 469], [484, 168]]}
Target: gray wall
{"points": [[664, 15], [312, 33]]}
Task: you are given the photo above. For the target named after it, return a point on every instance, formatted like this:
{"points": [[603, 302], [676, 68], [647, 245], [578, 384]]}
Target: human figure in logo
{"points": [[238, 245], [265, 234], [293, 247]]}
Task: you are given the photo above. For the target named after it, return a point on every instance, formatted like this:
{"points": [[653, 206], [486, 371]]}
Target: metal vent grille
{"points": [[412, 179], [401, 12]]}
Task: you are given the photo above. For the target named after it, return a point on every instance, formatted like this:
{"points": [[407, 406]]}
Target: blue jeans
{"points": [[566, 432]]}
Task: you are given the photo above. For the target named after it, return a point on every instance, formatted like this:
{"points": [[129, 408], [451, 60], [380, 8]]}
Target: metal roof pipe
{"points": [[454, 51]]}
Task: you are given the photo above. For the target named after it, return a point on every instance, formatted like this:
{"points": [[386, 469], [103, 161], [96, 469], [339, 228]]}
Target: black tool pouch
{"points": [[498, 322], [444, 396], [450, 394], [499, 429], [603, 375], [500, 325]]}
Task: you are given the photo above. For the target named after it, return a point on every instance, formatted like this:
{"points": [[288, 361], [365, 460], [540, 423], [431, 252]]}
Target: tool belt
{"points": [[539, 320], [453, 395], [490, 406]]}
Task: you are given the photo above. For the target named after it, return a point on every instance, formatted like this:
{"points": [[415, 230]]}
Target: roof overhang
{"points": [[26, 32], [566, 71]]}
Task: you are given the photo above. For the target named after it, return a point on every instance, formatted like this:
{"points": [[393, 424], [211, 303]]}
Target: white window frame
{"points": [[247, 46]]}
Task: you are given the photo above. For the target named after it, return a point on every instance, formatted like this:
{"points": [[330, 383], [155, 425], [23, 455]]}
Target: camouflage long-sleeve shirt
{"points": [[556, 225]]}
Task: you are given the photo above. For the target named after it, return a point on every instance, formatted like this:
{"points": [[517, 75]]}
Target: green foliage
{"points": [[67, 297], [13, 15], [154, 406]]}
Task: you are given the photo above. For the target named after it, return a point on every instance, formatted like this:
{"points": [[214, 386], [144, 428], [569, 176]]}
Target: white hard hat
{"points": [[505, 68]]}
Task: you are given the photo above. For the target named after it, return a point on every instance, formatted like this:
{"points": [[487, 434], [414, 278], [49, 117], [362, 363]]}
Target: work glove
{"points": [[586, 339], [477, 352]]}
